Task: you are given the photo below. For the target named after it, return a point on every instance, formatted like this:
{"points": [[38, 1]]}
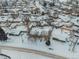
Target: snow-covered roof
{"points": [[59, 34], [3, 18], [64, 18], [39, 30], [39, 18]]}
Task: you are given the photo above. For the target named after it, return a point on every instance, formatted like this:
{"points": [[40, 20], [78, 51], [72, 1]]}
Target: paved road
{"points": [[32, 51]]}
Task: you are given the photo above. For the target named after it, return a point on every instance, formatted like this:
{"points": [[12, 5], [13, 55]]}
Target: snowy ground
{"points": [[58, 48], [22, 55]]}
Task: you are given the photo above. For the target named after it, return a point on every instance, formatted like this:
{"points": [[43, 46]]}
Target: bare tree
{"points": [[73, 39]]}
